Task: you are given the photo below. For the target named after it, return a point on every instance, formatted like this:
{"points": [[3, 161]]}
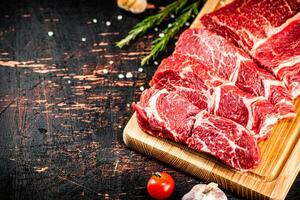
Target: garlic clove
{"points": [[123, 4], [205, 192], [134, 6]]}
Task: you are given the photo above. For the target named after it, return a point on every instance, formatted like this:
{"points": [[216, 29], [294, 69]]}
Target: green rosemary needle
{"points": [[160, 43], [149, 22]]}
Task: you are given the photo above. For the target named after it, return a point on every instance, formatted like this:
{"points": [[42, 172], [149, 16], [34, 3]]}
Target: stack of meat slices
{"points": [[227, 84]]}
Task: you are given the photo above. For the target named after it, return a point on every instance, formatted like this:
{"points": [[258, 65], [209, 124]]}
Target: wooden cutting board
{"points": [[272, 179]]}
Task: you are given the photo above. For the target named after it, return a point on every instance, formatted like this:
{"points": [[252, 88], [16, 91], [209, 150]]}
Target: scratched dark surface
{"points": [[65, 99]]}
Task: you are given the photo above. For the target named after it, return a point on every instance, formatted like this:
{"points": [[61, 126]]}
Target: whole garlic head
{"points": [[134, 6], [205, 192]]}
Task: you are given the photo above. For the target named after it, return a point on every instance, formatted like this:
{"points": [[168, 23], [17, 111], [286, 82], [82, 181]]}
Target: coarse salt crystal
{"points": [[156, 29], [50, 33], [129, 75], [172, 16], [121, 76], [161, 35], [111, 62], [108, 23], [105, 71], [142, 88], [187, 23], [95, 20], [119, 17], [128, 105], [83, 39], [69, 81], [155, 63], [140, 69], [169, 25]]}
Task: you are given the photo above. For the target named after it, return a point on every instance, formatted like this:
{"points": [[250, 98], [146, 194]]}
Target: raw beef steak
{"points": [[249, 22], [200, 86], [254, 113], [186, 71], [268, 30], [232, 64], [226, 140], [169, 115], [280, 54], [166, 114]]}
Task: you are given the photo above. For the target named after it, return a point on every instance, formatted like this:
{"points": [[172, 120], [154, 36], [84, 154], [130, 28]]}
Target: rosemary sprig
{"points": [[160, 43], [151, 21]]}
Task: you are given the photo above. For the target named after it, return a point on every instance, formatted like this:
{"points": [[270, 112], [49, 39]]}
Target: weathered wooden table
{"points": [[65, 96]]}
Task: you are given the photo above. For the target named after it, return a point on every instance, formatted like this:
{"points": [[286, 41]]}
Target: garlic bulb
{"points": [[134, 6], [205, 192]]}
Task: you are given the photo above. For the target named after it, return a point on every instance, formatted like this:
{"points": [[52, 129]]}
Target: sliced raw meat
{"points": [[267, 29], [226, 140], [169, 115], [249, 22], [291, 77], [281, 54], [283, 46], [188, 77], [255, 113], [196, 83], [186, 71], [232, 64], [166, 114]]}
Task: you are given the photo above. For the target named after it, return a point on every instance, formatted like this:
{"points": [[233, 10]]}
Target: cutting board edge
{"points": [[257, 190]]}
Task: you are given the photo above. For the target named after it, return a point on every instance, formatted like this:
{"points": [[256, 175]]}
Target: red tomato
{"points": [[161, 185]]}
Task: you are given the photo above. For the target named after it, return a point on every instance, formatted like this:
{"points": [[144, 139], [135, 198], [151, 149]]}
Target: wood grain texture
{"points": [[63, 106], [251, 184], [271, 179]]}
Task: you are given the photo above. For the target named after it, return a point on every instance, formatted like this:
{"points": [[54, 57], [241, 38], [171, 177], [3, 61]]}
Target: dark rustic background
{"points": [[65, 96]]}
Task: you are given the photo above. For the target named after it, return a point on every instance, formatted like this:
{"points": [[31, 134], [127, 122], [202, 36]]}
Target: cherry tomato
{"points": [[161, 185]]}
